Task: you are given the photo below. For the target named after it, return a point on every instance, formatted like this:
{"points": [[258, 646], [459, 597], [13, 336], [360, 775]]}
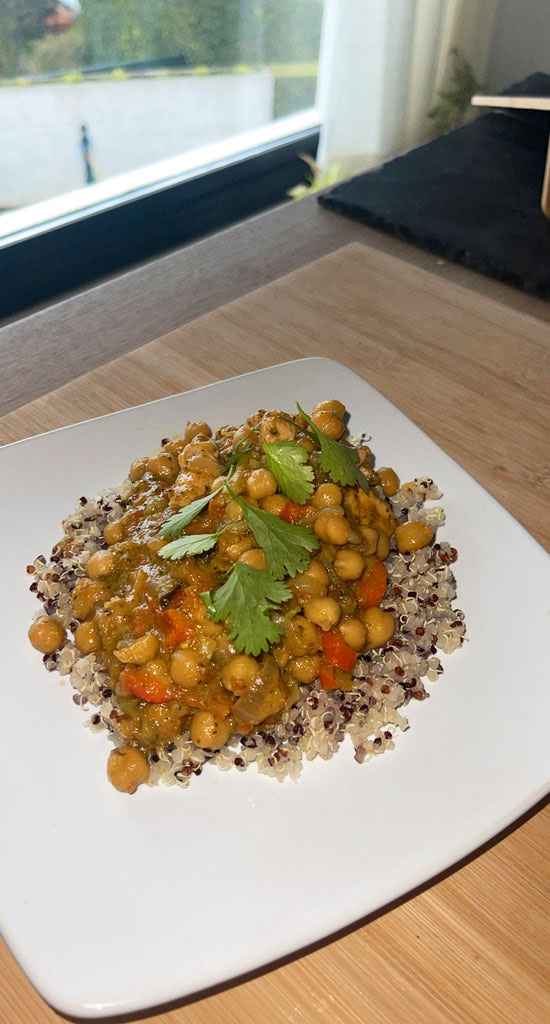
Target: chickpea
{"points": [[113, 532], [87, 595], [380, 627], [311, 583], [317, 571], [370, 539], [185, 667], [188, 486], [209, 732], [244, 433], [255, 558], [349, 564], [354, 632], [261, 483], [236, 546], [86, 638], [412, 536], [175, 446], [274, 504], [388, 480], [281, 656], [330, 405], [303, 637], [307, 443], [127, 768], [204, 464], [323, 611], [140, 652], [327, 495], [233, 511], [383, 546], [196, 448], [155, 544], [101, 563], [273, 427], [137, 469], [329, 423], [305, 669], [46, 634], [194, 429], [162, 466], [333, 529], [239, 673]]}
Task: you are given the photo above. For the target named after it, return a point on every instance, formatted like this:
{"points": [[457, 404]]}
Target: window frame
{"points": [[74, 251]]}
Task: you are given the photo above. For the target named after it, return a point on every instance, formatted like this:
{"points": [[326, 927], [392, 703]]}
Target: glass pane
{"points": [[90, 89]]}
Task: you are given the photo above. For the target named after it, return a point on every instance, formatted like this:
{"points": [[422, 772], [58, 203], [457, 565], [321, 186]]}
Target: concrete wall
{"points": [[130, 123], [521, 42]]}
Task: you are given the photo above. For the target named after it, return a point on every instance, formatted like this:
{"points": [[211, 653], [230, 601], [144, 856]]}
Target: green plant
{"points": [[316, 178], [454, 102], [118, 75], [56, 52]]}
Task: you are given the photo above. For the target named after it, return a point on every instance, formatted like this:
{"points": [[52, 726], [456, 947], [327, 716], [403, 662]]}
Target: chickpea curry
{"points": [[245, 564]]}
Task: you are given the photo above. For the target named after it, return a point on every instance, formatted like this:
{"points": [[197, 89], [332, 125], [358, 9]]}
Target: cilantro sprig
{"points": [[339, 461], [287, 460], [240, 449], [174, 526], [190, 544], [177, 523], [287, 548], [246, 600]]}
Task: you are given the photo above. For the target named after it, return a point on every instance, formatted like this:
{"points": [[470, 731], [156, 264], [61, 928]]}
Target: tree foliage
{"points": [[215, 33], [206, 33], [21, 21]]}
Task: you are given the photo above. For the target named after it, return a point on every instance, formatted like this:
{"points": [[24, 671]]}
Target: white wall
{"points": [[521, 42], [130, 123]]}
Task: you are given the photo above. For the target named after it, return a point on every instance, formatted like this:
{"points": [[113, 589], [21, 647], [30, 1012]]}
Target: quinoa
{"points": [[420, 592]]}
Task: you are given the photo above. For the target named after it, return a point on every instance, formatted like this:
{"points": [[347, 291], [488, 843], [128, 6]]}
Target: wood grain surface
{"points": [[54, 345], [474, 946]]}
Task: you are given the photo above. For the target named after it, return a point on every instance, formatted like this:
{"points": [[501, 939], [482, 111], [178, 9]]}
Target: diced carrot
{"points": [[327, 678], [370, 589], [142, 619], [337, 652], [144, 687], [293, 513], [181, 627], [177, 625]]}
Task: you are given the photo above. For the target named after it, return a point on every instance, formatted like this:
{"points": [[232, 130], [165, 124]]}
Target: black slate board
{"points": [[472, 196]]}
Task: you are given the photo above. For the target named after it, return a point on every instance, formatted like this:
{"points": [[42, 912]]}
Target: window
{"points": [[108, 102]]}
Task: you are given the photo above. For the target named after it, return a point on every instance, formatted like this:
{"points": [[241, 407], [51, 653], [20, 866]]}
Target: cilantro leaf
{"points": [[338, 460], [285, 459], [245, 600], [174, 526], [190, 544], [287, 548]]}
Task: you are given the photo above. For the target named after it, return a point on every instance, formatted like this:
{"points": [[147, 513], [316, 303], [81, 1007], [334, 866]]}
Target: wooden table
{"points": [[474, 945]]}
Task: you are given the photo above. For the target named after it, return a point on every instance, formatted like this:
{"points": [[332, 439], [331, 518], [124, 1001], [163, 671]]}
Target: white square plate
{"points": [[113, 904]]}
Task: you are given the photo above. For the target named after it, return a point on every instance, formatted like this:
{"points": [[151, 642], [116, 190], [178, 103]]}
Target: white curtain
{"points": [[382, 65]]}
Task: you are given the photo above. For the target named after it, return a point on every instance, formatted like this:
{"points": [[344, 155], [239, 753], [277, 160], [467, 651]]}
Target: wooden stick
{"points": [[513, 102]]}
